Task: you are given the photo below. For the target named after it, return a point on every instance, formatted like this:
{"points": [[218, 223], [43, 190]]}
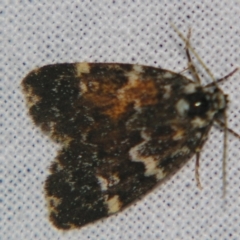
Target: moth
{"points": [[123, 129]]}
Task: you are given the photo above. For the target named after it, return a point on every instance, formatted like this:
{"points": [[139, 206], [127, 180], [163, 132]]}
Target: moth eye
{"points": [[198, 104]]}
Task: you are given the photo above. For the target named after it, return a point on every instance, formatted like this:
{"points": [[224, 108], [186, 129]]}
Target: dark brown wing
{"points": [[123, 129]]}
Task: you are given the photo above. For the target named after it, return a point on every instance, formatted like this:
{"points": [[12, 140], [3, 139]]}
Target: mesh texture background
{"points": [[36, 33]]}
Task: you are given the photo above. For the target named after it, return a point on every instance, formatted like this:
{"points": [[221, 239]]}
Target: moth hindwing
{"points": [[123, 128]]}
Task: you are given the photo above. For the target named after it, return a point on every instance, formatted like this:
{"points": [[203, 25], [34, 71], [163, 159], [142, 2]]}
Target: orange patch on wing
{"points": [[136, 92]]}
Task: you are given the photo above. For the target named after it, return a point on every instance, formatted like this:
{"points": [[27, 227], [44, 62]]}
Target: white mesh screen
{"points": [[36, 33]]}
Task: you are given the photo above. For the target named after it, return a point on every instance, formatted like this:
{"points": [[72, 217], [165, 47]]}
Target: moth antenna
{"points": [[226, 131], [224, 167], [191, 66], [193, 51]]}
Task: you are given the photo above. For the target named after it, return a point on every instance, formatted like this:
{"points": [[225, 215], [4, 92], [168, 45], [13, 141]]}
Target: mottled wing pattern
{"points": [[123, 128]]}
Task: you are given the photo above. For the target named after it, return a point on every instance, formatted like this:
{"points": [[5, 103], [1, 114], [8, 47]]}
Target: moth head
{"points": [[201, 104]]}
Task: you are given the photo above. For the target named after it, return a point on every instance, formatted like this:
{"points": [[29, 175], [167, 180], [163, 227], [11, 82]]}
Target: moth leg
{"points": [[197, 175], [223, 78], [222, 125]]}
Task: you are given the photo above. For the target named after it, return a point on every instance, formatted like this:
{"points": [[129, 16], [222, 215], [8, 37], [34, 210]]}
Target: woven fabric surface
{"points": [[36, 33]]}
